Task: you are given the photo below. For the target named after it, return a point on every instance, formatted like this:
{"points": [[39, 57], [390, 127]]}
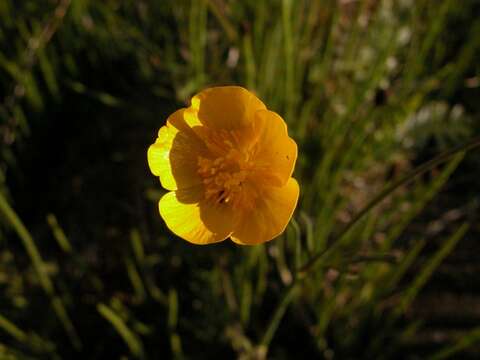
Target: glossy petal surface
{"points": [[227, 107], [173, 156], [277, 153], [195, 220], [269, 217], [228, 162]]}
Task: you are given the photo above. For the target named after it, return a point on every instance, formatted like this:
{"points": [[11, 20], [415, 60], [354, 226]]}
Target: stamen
{"points": [[224, 175]]}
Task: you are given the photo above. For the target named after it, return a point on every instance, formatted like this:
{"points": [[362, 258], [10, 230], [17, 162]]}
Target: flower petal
{"points": [[270, 215], [226, 107], [277, 152], [174, 155], [190, 217]]}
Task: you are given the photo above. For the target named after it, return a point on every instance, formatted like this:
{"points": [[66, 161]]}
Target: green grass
{"points": [[363, 85]]}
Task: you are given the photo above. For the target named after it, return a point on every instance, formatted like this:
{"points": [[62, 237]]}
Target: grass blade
{"points": [[131, 339], [47, 285], [430, 267], [463, 343], [422, 169]]}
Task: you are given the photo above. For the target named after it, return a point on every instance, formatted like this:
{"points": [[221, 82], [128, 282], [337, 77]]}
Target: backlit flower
{"points": [[227, 162]]}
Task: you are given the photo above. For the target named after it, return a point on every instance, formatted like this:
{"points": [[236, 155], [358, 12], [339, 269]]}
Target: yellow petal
{"points": [[227, 107], [277, 152], [270, 215], [174, 155], [190, 217]]}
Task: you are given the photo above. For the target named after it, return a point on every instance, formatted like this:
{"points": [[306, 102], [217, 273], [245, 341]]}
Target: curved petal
{"points": [[188, 216], [276, 152], [174, 155], [270, 215], [225, 107]]}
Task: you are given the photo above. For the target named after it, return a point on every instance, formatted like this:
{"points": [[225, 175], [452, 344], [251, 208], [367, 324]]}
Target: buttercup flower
{"points": [[227, 162]]}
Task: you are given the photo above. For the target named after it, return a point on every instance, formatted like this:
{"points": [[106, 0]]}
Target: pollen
{"points": [[224, 176]]}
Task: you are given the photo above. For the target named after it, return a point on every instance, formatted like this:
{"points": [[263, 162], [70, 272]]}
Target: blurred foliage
{"points": [[87, 268]]}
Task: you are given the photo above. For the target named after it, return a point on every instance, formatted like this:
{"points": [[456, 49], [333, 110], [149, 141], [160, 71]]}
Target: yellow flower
{"points": [[227, 162]]}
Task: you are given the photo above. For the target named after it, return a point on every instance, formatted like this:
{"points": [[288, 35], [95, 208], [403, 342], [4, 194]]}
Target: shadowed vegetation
{"points": [[370, 89]]}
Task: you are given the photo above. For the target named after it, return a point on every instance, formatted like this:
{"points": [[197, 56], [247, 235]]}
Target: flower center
{"points": [[224, 177]]}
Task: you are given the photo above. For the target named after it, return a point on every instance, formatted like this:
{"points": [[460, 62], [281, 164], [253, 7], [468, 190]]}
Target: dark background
{"points": [[370, 89]]}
